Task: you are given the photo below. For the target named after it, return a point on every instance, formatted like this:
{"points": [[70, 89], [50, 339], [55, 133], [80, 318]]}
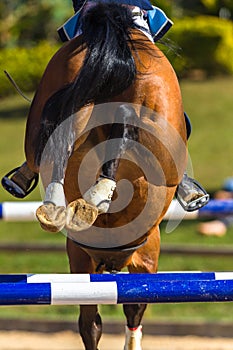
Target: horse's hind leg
{"points": [[90, 325], [82, 214], [52, 213], [145, 260], [133, 329]]}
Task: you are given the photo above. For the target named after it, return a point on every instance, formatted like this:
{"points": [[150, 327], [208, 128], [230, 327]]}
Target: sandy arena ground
{"points": [[12, 340]]}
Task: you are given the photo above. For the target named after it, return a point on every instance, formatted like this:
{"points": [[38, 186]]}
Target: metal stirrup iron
{"points": [[191, 195], [14, 189]]}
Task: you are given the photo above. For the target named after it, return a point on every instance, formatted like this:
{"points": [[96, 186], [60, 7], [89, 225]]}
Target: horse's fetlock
{"points": [[133, 338], [100, 194], [55, 194]]}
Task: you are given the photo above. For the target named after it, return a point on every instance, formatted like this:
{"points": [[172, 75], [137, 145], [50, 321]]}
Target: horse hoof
{"points": [[52, 218], [80, 215]]}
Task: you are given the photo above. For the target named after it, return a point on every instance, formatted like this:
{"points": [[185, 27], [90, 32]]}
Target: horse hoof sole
{"points": [[51, 217], [80, 215]]}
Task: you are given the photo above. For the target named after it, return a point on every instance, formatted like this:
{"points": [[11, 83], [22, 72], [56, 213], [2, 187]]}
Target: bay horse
{"points": [[106, 132]]}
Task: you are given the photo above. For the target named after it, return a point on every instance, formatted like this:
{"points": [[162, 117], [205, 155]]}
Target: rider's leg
{"points": [[190, 194]]}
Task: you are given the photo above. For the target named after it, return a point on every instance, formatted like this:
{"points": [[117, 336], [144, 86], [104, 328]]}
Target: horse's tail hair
{"points": [[108, 68]]}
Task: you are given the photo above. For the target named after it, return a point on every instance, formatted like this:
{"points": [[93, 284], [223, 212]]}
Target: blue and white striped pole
{"points": [[215, 206], [18, 211], [116, 293], [25, 211], [117, 289], [119, 277]]}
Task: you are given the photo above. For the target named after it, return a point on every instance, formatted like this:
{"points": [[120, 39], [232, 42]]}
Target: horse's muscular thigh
{"points": [[145, 259]]}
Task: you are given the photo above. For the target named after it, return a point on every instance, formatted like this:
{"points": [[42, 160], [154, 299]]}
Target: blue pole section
{"points": [[154, 277], [119, 277], [13, 278], [25, 294], [1, 211], [175, 292], [215, 206]]}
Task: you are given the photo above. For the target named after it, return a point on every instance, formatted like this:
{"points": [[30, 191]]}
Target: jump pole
{"points": [[139, 289], [121, 277], [25, 211], [213, 208], [18, 211]]}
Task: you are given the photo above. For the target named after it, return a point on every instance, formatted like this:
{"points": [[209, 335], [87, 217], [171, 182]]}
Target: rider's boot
{"points": [[191, 195], [20, 181]]}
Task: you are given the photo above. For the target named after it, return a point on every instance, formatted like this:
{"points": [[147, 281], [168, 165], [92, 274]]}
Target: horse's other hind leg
{"points": [[57, 151], [133, 330], [52, 213], [82, 213], [90, 325], [145, 260]]}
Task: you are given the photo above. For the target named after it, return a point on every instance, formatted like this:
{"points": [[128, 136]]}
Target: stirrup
{"points": [[192, 201], [14, 189]]}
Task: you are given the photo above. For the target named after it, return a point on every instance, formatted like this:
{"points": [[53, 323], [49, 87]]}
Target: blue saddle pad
{"points": [[158, 22], [69, 29]]}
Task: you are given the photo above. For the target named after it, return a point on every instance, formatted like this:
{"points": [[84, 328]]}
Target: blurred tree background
{"points": [[27, 22], [200, 41]]}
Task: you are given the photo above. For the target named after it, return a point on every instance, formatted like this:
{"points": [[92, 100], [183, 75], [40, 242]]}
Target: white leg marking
{"points": [[55, 194], [133, 338], [100, 194]]}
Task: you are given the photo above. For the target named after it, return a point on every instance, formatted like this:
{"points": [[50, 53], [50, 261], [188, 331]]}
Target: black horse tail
{"points": [[108, 68]]}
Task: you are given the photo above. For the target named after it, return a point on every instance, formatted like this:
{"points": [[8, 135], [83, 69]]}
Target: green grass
{"points": [[209, 105]]}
